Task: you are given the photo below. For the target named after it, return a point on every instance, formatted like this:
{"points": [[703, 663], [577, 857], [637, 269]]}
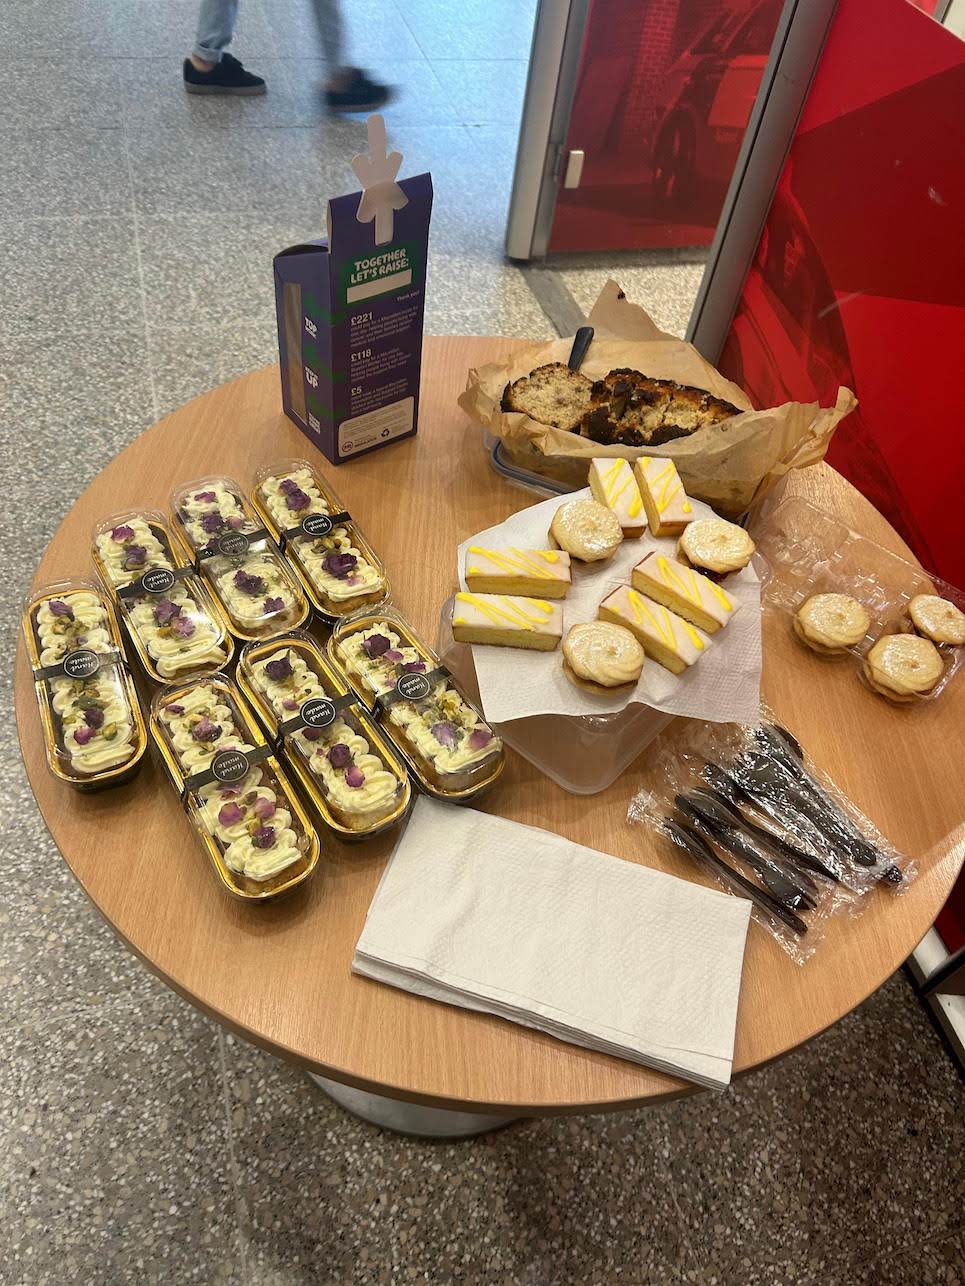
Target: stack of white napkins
{"points": [[492, 915]]}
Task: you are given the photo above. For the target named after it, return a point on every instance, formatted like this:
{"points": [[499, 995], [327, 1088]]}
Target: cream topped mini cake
{"points": [[441, 729], [663, 635], [250, 819], [613, 484], [357, 782], [667, 505], [692, 596], [254, 586], [537, 573], [507, 621], [175, 629], [334, 564], [97, 724]]}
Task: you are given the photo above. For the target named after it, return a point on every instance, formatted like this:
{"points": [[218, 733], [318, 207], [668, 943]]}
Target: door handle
{"points": [[574, 170]]}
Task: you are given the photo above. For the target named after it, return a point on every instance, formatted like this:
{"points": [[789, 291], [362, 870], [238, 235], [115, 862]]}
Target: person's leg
{"points": [[328, 15], [216, 26], [347, 89]]}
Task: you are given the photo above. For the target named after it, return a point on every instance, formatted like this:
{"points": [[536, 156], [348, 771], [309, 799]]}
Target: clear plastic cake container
{"points": [[583, 754]]}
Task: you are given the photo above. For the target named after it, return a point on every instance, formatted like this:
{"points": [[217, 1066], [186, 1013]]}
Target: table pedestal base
{"points": [[409, 1118]]}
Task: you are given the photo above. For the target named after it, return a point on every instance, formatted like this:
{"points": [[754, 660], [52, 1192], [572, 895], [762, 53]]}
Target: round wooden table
{"points": [[279, 974]]}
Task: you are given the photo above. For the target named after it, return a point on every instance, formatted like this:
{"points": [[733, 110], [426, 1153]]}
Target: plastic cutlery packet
{"points": [[747, 808], [339, 570], [172, 621], [356, 782], [234, 552], [242, 806], [94, 733]]}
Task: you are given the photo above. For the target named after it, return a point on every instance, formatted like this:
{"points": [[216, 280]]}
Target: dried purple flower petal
{"points": [[414, 667], [339, 565], [135, 556], [355, 777], [264, 807], [229, 792], [174, 708], [311, 734], [59, 608], [297, 499], [274, 605], [183, 626], [287, 486], [94, 718], [339, 755], [83, 734], [280, 669], [230, 813], [393, 654], [211, 523], [236, 522], [165, 611], [375, 645], [122, 533], [290, 704], [444, 733], [205, 495], [479, 737], [206, 730], [263, 837], [247, 583]]}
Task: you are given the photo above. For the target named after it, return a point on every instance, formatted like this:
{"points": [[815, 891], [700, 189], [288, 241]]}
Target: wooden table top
{"points": [[279, 974]]}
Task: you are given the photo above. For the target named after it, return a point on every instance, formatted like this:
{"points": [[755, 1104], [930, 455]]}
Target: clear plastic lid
{"points": [[94, 732], [235, 552], [172, 621], [450, 748], [338, 567], [242, 805], [352, 777]]}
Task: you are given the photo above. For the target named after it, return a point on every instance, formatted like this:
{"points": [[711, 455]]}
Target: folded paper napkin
{"points": [[491, 915], [723, 686]]}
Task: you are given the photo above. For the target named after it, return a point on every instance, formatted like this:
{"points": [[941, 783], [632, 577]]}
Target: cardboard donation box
{"points": [[350, 311]]}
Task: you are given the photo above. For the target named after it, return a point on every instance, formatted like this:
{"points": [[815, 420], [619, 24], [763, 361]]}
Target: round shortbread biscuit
{"points": [[903, 666], [602, 654], [717, 545], [587, 530], [831, 622], [938, 619]]}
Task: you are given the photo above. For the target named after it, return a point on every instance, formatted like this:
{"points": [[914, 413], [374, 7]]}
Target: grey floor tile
{"points": [[139, 28], [154, 98], [49, 93], [469, 296], [667, 291], [114, 1165], [418, 98], [328, 1194], [190, 361], [60, 173], [484, 29], [55, 27], [483, 91], [375, 34], [61, 275]]}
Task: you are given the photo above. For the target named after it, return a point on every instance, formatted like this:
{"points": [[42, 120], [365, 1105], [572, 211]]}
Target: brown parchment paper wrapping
{"points": [[729, 465]]}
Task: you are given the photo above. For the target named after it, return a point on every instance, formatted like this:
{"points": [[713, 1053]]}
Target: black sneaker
{"points": [[225, 77], [362, 94]]}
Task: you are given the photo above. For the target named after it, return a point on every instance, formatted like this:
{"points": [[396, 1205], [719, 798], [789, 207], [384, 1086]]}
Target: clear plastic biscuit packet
{"points": [[235, 553], [340, 571], [746, 807], [171, 619]]}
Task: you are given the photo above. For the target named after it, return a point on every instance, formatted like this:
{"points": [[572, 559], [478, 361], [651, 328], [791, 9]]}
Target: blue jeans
{"points": [[216, 26]]}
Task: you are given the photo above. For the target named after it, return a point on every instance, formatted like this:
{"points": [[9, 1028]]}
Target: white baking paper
{"points": [[723, 685]]}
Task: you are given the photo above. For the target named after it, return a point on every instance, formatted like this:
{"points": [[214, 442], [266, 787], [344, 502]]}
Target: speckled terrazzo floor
{"points": [[137, 1142]]}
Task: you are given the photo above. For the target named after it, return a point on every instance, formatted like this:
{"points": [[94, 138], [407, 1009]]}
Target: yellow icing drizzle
{"points": [[667, 476], [613, 491], [509, 611], [661, 621], [685, 581], [517, 560]]}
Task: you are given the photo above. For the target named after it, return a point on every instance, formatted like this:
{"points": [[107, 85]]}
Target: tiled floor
{"points": [[137, 1142]]}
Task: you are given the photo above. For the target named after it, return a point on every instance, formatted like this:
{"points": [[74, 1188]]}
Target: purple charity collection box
{"points": [[350, 315]]}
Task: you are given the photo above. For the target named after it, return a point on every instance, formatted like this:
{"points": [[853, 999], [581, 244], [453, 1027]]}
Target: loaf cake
{"points": [[630, 409]]}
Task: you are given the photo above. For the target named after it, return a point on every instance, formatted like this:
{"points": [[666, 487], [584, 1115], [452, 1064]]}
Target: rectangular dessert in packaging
{"points": [[94, 733], [339, 570], [241, 804], [450, 750], [358, 786], [350, 312], [251, 581], [172, 621]]}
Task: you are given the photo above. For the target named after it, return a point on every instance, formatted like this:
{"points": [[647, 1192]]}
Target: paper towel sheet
{"points": [[723, 685], [488, 914]]}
